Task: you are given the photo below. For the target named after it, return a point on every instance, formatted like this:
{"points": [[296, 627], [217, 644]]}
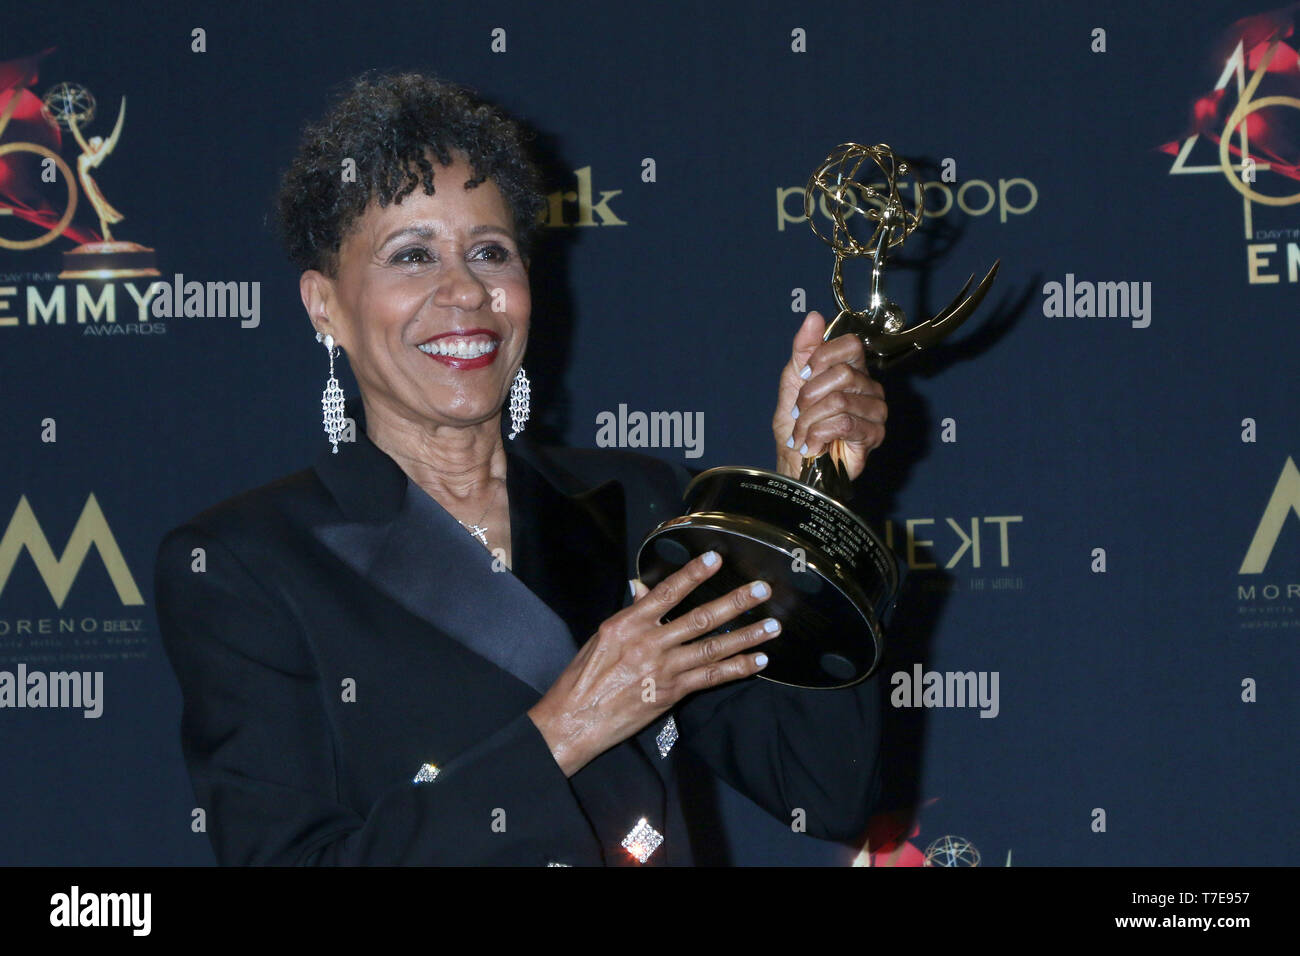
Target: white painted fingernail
{"points": [[760, 660], [771, 625], [710, 558], [760, 589], [807, 370], [803, 449], [631, 586], [789, 442], [794, 412]]}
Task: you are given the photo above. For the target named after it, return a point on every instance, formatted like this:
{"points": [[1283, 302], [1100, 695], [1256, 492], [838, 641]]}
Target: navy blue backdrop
{"points": [[1103, 510]]}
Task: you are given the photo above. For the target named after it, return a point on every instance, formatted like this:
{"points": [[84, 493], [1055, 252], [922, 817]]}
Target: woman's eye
{"points": [[416, 254], [494, 252]]}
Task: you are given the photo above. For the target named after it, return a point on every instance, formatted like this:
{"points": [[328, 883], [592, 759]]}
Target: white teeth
{"points": [[459, 348]]}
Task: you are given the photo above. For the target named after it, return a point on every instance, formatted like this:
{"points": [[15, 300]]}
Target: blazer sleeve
{"points": [[804, 756], [257, 742], [790, 749]]}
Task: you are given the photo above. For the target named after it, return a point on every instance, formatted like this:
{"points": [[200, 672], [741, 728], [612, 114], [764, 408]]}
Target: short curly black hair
{"points": [[388, 124]]}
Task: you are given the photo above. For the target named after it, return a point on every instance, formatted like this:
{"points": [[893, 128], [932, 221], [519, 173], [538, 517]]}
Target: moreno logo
{"points": [[59, 573], [1284, 500]]}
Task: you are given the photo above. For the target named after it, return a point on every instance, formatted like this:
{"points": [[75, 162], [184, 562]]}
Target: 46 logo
{"points": [[1275, 60]]}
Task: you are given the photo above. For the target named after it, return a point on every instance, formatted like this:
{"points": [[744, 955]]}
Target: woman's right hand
{"points": [[633, 669]]}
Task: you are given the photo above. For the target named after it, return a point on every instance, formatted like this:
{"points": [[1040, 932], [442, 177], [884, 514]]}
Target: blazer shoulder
{"points": [[640, 473], [260, 514]]}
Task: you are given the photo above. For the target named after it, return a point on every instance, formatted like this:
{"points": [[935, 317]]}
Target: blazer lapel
{"points": [[567, 557], [567, 548]]}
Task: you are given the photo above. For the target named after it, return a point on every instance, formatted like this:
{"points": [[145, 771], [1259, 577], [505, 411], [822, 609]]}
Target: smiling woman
{"points": [[429, 300], [426, 649]]}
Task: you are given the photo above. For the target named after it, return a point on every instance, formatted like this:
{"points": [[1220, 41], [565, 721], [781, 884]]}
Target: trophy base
{"points": [[832, 578], [109, 260]]}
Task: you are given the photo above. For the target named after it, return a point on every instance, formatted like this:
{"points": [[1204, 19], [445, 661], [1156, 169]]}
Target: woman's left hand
{"points": [[837, 399]]}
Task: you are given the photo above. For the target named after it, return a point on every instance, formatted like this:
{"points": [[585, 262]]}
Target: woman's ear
{"points": [[317, 291]]}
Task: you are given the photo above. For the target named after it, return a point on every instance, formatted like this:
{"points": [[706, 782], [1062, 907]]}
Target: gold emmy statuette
{"points": [[832, 577], [72, 106]]}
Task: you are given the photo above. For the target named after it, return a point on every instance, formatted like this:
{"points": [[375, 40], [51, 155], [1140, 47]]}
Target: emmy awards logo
{"points": [[832, 578], [70, 107]]}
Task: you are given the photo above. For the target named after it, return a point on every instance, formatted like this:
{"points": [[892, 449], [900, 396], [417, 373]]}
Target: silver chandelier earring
{"points": [[332, 399], [518, 403]]}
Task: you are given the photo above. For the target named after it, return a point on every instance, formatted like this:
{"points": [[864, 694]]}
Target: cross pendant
{"points": [[478, 531]]}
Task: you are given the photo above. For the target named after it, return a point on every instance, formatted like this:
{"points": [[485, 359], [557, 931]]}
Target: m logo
{"points": [[24, 531], [1286, 498]]}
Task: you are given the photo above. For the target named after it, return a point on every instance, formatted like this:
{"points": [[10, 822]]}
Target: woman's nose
{"points": [[459, 287]]}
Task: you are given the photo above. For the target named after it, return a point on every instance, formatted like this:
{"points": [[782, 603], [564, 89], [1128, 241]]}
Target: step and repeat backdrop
{"points": [[1093, 483]]}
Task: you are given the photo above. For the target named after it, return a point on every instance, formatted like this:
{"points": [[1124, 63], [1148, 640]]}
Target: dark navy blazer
{"points": [[341, 629]]}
